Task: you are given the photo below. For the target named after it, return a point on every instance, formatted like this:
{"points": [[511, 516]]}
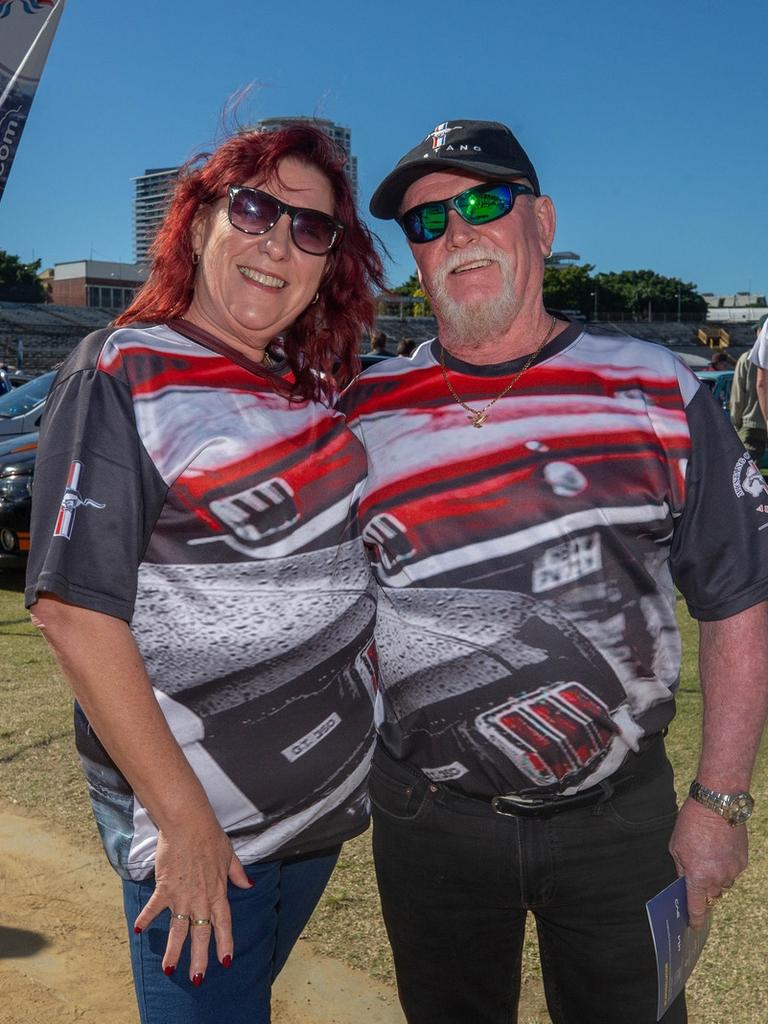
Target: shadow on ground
{"points": [[16, 942]]}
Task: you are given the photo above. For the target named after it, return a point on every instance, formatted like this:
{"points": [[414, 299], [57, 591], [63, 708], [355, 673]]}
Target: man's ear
{"points": [[546, 221], [421, 282]]}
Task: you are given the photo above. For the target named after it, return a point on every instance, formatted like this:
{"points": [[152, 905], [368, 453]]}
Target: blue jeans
{"points": [[457, 881], [266, 922]]}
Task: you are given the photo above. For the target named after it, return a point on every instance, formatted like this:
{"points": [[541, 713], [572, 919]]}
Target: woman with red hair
{"points": [[196, 569]]}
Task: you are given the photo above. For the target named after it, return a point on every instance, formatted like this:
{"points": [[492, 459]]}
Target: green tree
{"points": [[410, 287], [645, 293], [413, 287], [569, 288], [19, 281]]}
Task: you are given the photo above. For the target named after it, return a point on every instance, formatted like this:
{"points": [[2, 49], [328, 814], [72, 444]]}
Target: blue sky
{"points": [[646, 122]]}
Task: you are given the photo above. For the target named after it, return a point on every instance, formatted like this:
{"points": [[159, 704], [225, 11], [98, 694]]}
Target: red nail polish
{"points": [[136, 930], [197, 981], [227, 961], [250, 883], [168, 971]]}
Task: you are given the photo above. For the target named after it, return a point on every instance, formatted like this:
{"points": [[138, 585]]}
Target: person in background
{"points": [[405, 347], [534, 494], [719, 361], [379, 344], [746, 414], [759, 357], [196, 569]]}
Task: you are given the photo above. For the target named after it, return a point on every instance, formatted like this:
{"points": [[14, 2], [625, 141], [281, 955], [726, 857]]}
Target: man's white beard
{"points": [[473, 324]]}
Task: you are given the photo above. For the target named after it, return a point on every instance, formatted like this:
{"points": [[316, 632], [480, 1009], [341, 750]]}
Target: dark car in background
{"points": [[719, 383], [21, 409], [17, 465]]}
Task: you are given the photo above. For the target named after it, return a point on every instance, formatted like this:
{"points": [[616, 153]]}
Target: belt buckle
{"points": [[523, 804]]}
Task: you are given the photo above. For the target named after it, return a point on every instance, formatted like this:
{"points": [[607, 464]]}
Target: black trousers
{"points": [[457, 881]]}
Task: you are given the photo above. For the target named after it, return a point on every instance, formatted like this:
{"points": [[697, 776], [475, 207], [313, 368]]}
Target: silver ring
{"points": [[180, 917], [200, 921]]}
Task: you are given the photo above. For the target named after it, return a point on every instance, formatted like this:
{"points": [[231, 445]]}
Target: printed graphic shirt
{"points": [[526, 630], [176, 490]]}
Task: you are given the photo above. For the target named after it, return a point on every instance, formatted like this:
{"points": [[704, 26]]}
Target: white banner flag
{"points": [[27, 28]]}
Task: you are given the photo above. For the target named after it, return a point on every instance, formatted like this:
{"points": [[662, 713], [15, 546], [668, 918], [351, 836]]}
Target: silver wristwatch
{"points": [[736, 808]]}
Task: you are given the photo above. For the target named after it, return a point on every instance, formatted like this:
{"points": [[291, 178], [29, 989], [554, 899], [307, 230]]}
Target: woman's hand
{"points": [[100, 659], [192, 865]]}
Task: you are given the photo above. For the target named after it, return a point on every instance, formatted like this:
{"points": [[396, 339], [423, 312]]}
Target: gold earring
{"points": [[195, 258], [317, 296]]}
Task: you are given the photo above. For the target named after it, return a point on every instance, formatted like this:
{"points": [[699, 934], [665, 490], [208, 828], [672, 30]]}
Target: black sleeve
{"points": [[719, 555], [95, 498]]}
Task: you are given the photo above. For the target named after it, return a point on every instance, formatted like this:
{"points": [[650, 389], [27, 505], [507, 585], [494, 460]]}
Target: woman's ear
{"points": [[199, 230]]}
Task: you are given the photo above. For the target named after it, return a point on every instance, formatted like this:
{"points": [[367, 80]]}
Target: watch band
{"points": [[736, 808]]}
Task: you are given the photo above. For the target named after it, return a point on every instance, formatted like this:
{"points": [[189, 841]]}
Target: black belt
{"points": [[518, 805], [648, 759]]}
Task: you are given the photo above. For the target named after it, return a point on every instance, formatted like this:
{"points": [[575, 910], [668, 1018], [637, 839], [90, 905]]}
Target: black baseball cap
{"points": [[485, 148]]}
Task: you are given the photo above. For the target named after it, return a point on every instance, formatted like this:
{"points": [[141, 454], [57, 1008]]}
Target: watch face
{"points": [[740, 808]]}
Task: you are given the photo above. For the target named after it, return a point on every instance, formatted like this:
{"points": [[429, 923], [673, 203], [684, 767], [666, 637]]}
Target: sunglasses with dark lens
{"points": [[477, 205], [256, 212]]}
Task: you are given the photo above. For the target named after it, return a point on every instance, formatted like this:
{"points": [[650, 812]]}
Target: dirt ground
{"points": [[63, 955]]}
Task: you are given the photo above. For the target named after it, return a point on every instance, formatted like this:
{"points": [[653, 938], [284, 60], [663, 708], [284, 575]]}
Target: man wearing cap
{"points": [[535, 492]]}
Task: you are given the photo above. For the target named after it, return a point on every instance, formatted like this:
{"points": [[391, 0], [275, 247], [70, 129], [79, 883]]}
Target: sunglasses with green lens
{"points": [[477, 205]]}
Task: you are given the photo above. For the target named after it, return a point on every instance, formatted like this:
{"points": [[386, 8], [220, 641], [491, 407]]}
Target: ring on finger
{"points": [[180, 917], [712, 900], [199, 921]]}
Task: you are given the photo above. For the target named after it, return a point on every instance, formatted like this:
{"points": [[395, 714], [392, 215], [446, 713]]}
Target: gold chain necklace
{"points": [[477, 417]]}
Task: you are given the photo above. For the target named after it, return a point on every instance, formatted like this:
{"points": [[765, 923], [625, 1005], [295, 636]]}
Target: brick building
{"points": [[96, 283]]}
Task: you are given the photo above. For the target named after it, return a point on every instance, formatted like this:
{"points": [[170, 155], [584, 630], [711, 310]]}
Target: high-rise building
{"points": [[337, 132], [153, 192]]}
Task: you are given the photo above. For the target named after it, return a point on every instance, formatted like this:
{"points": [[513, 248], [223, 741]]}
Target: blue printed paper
{"points": [[677, 944]]}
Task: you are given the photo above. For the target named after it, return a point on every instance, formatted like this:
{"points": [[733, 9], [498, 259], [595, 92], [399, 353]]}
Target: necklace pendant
{"points": [[477, 418]]}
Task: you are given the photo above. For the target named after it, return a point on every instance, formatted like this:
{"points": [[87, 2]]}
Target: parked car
{"points": [[22, 408], [17, 465], [719, 383], [18, 377]]}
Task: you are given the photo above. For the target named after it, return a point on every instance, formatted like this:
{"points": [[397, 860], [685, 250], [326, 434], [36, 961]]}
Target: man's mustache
{"points": [[459, 259]]}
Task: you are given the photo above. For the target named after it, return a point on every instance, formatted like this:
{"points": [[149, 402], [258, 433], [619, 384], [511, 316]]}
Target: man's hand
{"points": [[709, 852]]}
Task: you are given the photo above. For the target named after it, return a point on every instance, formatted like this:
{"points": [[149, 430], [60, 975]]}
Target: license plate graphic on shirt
{"points": [[567, 563], [551, 734], [312, 738]]}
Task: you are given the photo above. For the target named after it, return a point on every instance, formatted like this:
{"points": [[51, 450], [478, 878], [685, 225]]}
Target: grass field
{"points": [[38, 771]]}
